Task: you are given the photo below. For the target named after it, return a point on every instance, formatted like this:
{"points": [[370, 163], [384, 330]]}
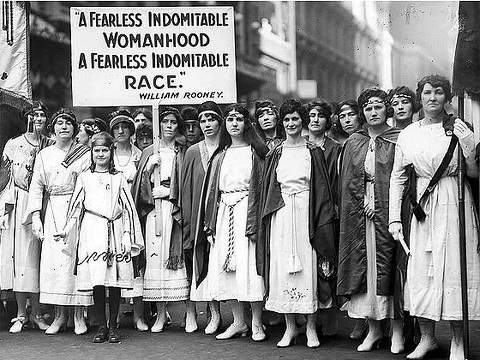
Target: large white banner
{"points": [[14, 51], [134, 56]]}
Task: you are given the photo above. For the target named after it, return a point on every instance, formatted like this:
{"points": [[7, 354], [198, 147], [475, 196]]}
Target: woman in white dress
{"points": [[20, 259], [165, 277], [433, 270], [232, 189], [108, 228], [298, 218], [126, 158], [55, 173]]}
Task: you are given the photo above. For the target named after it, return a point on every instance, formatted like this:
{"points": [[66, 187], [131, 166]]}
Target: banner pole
{"points": [[156, 169], [462, 242]]}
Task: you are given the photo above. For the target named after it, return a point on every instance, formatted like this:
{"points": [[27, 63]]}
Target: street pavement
{"points": [[173, 343]]}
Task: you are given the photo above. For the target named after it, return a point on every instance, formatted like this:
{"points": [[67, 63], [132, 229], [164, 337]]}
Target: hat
{"points": [[94, 126], [144, 128], [209, 107], [119, 116], [66, 114], [189, 113], [30, 108]]}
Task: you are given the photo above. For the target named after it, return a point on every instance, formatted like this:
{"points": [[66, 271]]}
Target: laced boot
{"points": [[428, 342], [291, 332], [79, 321], [456, 347], [59, 322]]}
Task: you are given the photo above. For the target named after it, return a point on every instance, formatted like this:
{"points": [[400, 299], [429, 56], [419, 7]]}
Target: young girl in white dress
{"points": [[108, 229]]}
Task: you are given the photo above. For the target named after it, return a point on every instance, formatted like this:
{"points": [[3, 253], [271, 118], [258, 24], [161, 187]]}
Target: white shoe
{"points": [[213, 326], [258, 335], [140, 325], [18, 323]]}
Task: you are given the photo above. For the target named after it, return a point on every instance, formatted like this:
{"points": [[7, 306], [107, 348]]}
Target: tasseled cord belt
{"points": [[230, 263], [294, 263], [111, 234]]}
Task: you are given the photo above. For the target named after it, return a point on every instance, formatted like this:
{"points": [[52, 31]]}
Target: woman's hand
{"points": [[396, 230], [160, 192], [465, 137], [126, 243], [369, 211], [153, 160], [37, 228], [60, 235], [3, 222]]}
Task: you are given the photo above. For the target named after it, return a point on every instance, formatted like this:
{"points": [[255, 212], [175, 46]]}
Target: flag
{"points": [[466, 67], [15, 82]]}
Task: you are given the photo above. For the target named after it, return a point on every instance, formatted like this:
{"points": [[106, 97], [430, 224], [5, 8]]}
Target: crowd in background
{"points": [[285, 212]]}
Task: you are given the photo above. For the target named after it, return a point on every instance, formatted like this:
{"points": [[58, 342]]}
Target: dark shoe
{"points": [[113, 336], [101, 335]]}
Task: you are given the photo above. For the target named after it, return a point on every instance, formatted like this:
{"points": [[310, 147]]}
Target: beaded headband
{"points": [[235, 113], [409, 97], [170, 110], [65, 116], [208, 112], [373, 102]]}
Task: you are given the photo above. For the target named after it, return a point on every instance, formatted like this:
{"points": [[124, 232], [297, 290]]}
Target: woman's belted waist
{"points": [[293, 193], [103, 216], [59, 191], [233, 191]]}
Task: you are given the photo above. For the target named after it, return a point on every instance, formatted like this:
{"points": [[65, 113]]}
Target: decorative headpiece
{"points": [[103, 139], [210, 107]]}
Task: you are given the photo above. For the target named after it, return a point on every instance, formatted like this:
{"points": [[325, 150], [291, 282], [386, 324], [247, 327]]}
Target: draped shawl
{"points": [[145, 203], [352, 263], [210, 200], [322, 213]]}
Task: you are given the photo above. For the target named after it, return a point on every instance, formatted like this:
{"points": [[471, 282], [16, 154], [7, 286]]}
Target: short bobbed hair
{"points": [[324, 108], [289, 106], [435, 80], [406, 92], [66, 114], [143, 110], [367, 94]]}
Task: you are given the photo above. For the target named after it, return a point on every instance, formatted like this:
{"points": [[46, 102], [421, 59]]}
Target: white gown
{"points": [[293, 261], [243, 284], [57, 279], [108, 210], [128, 167], [20, 252], [160, 283], [433, 271]]}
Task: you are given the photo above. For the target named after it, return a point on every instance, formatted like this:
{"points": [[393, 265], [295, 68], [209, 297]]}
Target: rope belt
{"points": [[230, 263], [111, 233], [295, 263]]}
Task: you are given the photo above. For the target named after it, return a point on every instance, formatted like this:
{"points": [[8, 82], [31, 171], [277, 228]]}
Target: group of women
{"points": [[294, 211]]}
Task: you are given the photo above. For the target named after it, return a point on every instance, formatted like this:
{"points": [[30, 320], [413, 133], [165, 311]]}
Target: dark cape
{"points": [[210, 200], [410, 190], [352, 262], [322, 215], [193, 176], [145, 203]]}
